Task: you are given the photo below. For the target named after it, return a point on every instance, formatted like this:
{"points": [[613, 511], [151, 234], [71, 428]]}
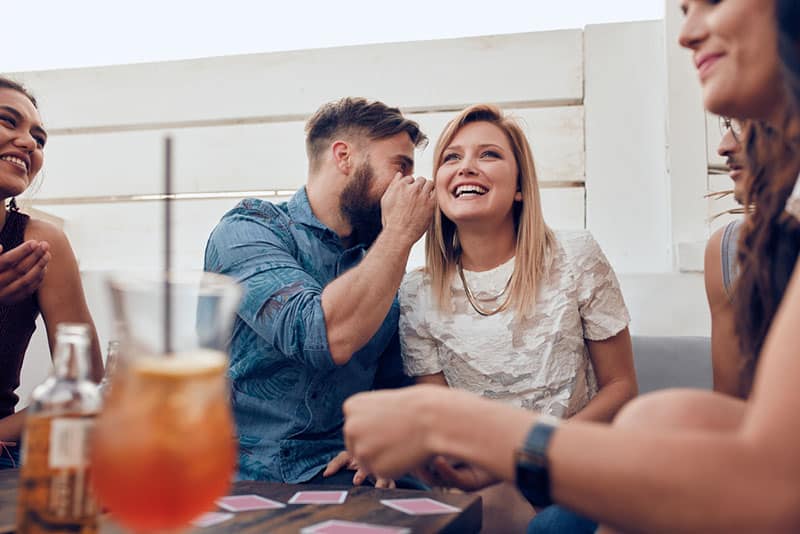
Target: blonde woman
{"points": [[505, 307]]}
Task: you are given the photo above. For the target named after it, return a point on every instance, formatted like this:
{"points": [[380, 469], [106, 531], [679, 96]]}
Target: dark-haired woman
{"points": [[38, 271]]}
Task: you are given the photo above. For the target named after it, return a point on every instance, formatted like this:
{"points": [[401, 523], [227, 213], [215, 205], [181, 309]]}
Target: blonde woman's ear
{"points": [[518, 196]]}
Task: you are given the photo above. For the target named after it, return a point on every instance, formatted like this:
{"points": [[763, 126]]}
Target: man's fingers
{"points": [[335, 465], [359, 477], [385, 483]]}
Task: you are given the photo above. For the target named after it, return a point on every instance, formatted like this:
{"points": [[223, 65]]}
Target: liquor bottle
{"points": [[54, 494]]}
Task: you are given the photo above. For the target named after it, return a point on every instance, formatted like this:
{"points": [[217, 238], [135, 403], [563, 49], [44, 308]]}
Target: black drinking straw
{"points": [[167, 244]]}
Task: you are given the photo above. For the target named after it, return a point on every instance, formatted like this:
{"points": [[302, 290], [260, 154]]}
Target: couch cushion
{"points": [[668, 362]]}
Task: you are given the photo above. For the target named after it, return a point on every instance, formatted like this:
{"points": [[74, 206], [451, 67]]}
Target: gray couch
{"points": [[666, 362]]}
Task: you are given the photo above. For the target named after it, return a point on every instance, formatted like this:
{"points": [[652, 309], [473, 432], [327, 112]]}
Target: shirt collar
{"points": [[301, 213]]}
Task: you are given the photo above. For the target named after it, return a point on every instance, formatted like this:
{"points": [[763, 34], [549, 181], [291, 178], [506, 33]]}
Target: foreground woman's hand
{"points": [[454, 474], [386, 431]]}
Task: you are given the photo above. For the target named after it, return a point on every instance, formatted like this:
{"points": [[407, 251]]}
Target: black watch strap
{"points": [[533, 478]]}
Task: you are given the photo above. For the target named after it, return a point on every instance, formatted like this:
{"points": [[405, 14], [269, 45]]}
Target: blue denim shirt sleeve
{"points": [[281, 301]]}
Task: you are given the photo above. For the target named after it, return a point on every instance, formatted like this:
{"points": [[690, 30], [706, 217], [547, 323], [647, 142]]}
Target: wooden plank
{"points": [[543, 68], [128, 235], [686, 141], [261, 156], [555, 135], [627, 180]]}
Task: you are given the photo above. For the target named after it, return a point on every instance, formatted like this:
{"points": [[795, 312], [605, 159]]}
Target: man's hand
{"points": [[407, 207], [22, 270], [344, 460]]}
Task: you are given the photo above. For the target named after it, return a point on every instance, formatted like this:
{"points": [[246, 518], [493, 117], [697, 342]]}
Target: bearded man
{"points": [[320, 273]]}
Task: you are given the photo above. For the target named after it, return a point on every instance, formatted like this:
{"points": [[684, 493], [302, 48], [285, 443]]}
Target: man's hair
{"points": [[8, 83], [351, 118]]}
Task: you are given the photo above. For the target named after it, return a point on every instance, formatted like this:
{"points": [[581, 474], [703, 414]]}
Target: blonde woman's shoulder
{"points": [[414, 282], [576, 243]]}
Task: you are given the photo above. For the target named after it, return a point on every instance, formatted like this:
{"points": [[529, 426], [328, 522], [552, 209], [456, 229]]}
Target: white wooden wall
{"points": [[594, 103]]}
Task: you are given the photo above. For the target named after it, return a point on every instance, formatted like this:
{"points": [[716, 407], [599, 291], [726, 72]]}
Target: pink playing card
{"points": [[350, 527], [246, 503], [318, 497], [421, 506], [211, 518]]}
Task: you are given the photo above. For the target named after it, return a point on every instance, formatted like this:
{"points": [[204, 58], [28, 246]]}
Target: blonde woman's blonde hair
{"points": [[535, 240]]}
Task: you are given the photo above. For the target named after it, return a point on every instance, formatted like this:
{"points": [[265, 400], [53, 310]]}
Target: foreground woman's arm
{"points": [[741, 480]]}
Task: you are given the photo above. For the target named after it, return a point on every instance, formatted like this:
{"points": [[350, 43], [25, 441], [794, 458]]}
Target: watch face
{"points": [[533, 481], [533, 478]]}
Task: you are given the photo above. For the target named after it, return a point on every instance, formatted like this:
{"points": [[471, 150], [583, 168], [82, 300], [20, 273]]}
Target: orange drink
{"points": [[163, 448]]}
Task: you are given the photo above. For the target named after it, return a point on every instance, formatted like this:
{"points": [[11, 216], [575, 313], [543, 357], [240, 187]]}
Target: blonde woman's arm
{"points": [[612, 360]]}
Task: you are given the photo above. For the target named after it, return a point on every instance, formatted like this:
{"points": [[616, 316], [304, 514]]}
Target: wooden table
{"points": [[362, 504]]}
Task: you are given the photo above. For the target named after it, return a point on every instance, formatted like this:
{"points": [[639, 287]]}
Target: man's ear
{"points": [[342, 156]]}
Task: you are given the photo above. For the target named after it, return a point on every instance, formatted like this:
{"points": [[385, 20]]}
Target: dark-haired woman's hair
{"points": [[770, 241], [8, 83], [788, 15]]}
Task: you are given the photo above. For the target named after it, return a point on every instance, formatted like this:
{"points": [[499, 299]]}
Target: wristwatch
{"points": [[533, 479]]}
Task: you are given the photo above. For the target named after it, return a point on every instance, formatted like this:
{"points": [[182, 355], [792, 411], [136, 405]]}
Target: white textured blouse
{"points": [[539, 362]]}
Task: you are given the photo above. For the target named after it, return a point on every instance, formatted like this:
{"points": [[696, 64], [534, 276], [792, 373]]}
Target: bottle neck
{"points": [[71, 357]]}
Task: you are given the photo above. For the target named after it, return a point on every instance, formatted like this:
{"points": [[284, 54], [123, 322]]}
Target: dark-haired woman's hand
{"points": [[22, 270]]}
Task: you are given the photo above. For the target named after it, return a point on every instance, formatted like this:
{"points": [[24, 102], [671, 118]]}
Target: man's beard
{"points": [[361, 211]]}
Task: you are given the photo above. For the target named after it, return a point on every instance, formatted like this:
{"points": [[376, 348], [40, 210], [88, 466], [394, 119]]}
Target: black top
{"points": [[17, 321]]}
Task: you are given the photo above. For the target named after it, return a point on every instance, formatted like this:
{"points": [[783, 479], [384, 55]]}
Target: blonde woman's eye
{"points": [[490, 154], [450, 157]]}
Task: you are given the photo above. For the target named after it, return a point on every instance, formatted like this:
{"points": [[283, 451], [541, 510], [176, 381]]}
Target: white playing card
{"points": [[211, 518], [420, 506], [246, 503], [318, 497], [350, 527]]}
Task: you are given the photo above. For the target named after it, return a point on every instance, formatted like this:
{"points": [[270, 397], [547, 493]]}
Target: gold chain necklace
{"points": [[474, 301]]}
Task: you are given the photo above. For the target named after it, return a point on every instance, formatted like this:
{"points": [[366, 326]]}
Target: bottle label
{"points": [[54, 492], [69, 443]]}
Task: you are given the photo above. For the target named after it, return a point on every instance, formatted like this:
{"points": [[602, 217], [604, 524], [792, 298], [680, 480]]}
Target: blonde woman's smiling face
{"points": [[477, 180]]}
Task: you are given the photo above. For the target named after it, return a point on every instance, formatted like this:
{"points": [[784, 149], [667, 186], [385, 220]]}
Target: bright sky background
{"points": [[47, 34]]}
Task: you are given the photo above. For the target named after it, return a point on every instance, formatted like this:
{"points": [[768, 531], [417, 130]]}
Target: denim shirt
{"points": [[287, 392]]}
